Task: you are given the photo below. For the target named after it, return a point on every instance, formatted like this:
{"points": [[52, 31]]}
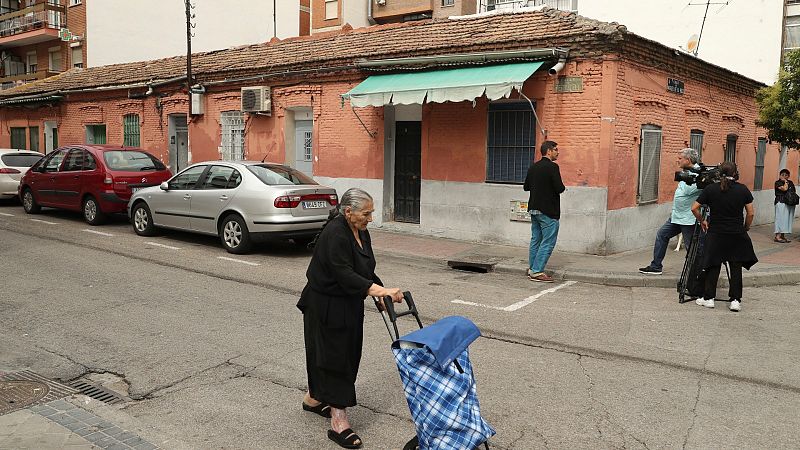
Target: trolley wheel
{"points": [[413, 444]]}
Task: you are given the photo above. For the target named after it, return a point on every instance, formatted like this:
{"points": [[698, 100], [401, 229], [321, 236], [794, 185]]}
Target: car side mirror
{"points": [[164, 186]]}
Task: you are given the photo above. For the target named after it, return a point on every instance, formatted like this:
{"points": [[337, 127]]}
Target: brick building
{"points": [[439, 159]]}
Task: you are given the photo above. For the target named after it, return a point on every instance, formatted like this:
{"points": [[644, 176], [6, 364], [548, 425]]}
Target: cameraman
{"points": [[681, 220]]}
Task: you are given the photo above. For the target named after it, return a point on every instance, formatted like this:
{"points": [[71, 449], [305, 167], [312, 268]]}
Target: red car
{"points": [[95, 179]]}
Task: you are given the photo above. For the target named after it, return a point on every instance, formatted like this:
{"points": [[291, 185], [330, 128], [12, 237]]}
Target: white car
{"points": [[13, 165], [241, 202]]}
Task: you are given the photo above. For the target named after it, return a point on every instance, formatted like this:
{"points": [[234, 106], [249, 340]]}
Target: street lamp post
{"points": [[189, 26]]}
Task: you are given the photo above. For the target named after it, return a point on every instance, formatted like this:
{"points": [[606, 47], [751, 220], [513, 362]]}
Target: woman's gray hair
{"points": [[692, 154], [355, 198]]}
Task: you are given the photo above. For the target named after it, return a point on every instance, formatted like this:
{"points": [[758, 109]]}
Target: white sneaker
{"points": [[703, 302], [736, 306]]}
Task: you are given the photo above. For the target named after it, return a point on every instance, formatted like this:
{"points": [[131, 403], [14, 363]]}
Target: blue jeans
{"points": [[668, 231], [544, 232]]}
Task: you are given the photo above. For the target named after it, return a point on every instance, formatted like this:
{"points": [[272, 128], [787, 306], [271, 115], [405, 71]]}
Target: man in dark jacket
{"points": [[545, 185]]}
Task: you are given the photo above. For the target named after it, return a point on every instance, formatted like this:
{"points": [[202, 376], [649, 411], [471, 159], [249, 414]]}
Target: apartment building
{"points": [[40, 38], [327, 15], [791, 27]]}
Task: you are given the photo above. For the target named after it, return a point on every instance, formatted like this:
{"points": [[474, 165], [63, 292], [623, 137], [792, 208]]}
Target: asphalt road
{"points": [[210, 345]]}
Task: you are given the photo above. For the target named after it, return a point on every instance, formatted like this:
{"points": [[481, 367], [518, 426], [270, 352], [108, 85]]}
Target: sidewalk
{"points": [[778, 263]]}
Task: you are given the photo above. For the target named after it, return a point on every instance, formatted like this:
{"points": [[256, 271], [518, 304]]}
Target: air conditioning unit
{"points": [[257, 99]]}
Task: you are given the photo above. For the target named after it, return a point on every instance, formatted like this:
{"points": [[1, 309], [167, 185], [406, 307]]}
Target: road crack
{"points": [[151, 393], [697, 395]]}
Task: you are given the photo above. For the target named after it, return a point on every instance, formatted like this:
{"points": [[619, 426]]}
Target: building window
{"points": [[730, 148], [74, 2], [31, 63], [649, 163], [96, 134], [18, 138], [696, 142], [130, 128], [448, 2], [761, 152], [54, 59], [232, 148], [331, 9], [511, 142], [77, 57], [792, 33], [34, 132]]}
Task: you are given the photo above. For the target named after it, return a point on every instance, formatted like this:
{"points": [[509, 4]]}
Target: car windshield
{"points": [[20, 160], [131, 161], [279, 175]]}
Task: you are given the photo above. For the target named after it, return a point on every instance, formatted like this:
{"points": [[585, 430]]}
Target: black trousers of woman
{"points": [[712, 276]]}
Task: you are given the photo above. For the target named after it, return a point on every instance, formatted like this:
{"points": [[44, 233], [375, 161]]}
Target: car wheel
{"points": [[92, 212], [234, 235], [142, 220], [29, 203]]}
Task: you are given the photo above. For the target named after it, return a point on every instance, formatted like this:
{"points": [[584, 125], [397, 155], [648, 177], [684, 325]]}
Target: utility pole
{"points": [[275, 18], [708, 3], [189, 26]]}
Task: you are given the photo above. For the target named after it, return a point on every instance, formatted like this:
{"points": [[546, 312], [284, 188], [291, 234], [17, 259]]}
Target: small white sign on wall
{"points": [[519, 211]]}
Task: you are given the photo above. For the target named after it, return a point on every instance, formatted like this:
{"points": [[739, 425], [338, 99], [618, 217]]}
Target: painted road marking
{"points": [[162, 245], [520, 304], [101, 233], [6, 214], [44, 221], [238, 261]]}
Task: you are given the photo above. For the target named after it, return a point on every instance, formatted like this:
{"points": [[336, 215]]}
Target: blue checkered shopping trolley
{"points": [[437, 378]]}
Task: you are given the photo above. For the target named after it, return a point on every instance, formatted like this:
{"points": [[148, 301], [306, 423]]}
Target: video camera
{"points": [[703, 176]]}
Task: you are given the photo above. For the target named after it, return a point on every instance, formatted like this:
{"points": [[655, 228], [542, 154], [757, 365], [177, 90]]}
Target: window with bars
{"points": [[761, 152], [18, 138], [307, 146], [511, 142], [730, 148], [96, 134], [448, 2], [649, 163], [34, 132], [696, 142], [232, 124], [131, 132]]}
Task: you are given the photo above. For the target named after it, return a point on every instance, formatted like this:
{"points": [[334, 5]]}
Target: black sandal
{"points": [[346, 438], [322, 409]]}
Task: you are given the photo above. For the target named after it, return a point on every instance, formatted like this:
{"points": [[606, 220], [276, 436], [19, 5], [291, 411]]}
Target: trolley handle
{"points": [[394, 315]]}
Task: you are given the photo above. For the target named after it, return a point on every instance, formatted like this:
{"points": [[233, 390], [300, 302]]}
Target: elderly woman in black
{"points": [[784, 213], [340, 275], [727, 239]]}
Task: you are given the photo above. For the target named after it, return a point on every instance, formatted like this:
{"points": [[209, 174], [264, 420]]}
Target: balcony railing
{"points": [[512, 5], [42, 15], [17, 80]]}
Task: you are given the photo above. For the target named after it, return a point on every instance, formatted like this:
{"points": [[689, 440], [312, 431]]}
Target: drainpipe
{"points": [[370, 19], [559, 65]]}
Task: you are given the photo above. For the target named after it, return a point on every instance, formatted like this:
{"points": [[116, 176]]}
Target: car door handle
{"points": [[223, 197]]}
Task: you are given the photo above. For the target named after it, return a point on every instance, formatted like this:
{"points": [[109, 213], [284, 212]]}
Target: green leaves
{"points": [[779, 104]]}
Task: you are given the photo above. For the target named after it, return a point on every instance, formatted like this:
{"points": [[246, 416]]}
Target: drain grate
{"points": [[96, 392], [25, 388], [471, 266]]}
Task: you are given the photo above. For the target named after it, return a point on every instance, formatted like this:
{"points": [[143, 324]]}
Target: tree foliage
{"points": [[779, 104]]}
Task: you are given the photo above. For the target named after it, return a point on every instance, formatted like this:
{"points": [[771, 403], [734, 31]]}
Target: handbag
{"points": [[790, 198]]}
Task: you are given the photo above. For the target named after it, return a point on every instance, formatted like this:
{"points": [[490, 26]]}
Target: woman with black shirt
{"points": [[727, 240], [340, 275], [784, 214]]}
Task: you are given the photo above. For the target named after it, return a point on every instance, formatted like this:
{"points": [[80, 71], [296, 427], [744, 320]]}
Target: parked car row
{"points": [[240, 202]]}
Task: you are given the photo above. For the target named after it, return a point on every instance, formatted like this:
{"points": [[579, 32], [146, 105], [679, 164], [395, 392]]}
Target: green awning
{"points": [[446, 85]]}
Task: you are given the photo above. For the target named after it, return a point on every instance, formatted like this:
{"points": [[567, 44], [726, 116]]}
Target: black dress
{"points": [[339, 275], [727, 241]]}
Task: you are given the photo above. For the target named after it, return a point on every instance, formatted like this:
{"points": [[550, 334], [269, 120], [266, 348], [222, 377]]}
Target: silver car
{"points": [[238, 201], [13, 165]]}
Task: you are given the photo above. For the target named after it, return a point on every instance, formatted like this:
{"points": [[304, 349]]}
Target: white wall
{"points": [[744, 36], [125, 31]]}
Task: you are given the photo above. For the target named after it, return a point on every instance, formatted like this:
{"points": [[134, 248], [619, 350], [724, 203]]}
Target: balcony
{"points": [[514, 5], [18, 80], [395, 9], [32, 25]]}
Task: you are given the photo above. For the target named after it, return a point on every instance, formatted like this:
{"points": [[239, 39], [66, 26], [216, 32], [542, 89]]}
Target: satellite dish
{"points": [[691, 46]]}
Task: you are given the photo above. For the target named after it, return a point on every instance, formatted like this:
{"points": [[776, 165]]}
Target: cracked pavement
{"points": [[212, 351]]}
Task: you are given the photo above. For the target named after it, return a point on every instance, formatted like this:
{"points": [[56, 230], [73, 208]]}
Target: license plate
{"points": [[315, 205]]}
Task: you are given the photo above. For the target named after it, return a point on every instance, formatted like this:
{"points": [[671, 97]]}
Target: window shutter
{"points": [[649, 163], [761, 152]]}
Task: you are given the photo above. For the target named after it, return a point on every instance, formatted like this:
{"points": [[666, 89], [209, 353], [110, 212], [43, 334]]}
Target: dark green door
{"points": [[407, 171]]}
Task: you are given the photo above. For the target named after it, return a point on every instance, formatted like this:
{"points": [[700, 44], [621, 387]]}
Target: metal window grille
{"points": [[696, 142], [730, 148], [448, 2], [511, 142], [649, 163], [18, 138], [761, 152], [232, 148], [96, 134], [34, 132], [307, 146], [131, 135]]}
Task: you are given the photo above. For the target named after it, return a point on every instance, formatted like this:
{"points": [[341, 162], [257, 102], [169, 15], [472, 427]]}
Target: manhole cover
{"points": [[18, 394]]}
